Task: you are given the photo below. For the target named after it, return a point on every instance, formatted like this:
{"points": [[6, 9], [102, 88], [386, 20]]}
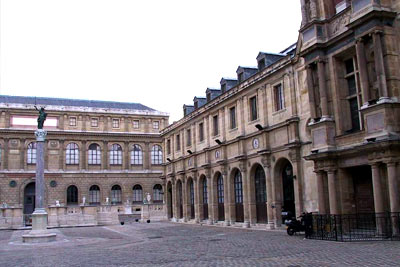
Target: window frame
{"points": [[72, 121], [232, 118], [96, 124], [94, 195], [188, 137], [279, 97], [201, 132], [115, 157], [156, 159], [134, 122], [215, 125], [94, 155], [178, 142], [158, 194], [72, 195], [136, 155], [31, 153], [115, 123], [156, 125], [116, 194], [72, 154], [137, 194], [253, 108]]}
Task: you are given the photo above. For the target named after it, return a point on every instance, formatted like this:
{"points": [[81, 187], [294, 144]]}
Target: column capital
{"points": [[360, 40], [374, 165], [321, 60], [377, 32], [391, 163], [331, 171]]}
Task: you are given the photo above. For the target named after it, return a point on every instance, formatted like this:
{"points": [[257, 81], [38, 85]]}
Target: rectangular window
{"points": [[240, 77], [232, 112], [279, 97], [353, 93], [178, 142], [115, 123], [253, 108], [201, 132], [188, 137], [72, 121], [94, 122], [156, 124], [215, 125], [169, 146], [135, 124]]}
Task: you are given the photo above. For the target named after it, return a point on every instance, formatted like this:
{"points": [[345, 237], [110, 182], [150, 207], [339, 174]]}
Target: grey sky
{"points": [[159, 53]]}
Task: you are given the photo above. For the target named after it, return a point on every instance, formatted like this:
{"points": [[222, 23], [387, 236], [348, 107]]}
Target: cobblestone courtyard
{"points": [[168, 244]]}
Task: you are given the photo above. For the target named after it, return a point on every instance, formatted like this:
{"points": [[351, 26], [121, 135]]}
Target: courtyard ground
{"points": [[169, 244]]}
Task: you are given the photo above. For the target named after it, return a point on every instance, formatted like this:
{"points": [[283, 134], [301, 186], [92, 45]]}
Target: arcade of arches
{"points": [[241, 196]]}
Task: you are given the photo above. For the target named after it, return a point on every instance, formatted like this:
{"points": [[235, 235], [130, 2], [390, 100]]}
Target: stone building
{"points": [[97, 152], [313, 128]]}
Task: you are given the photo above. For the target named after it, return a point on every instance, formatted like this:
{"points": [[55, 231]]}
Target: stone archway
{"points": [[170, 210], [29, 202], [284, 175]]}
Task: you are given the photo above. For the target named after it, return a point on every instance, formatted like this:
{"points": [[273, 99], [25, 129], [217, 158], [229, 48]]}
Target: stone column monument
{"points": [[39, 231]]}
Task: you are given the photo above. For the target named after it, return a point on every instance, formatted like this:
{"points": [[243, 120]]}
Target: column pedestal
{"points": [[39, 233]]}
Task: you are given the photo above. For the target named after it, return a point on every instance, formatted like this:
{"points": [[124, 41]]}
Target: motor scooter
{"points": [[294, 225]]}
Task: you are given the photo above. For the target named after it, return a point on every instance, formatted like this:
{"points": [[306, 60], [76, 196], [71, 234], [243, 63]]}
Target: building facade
{"points": [[313, 128], [96, 153]]}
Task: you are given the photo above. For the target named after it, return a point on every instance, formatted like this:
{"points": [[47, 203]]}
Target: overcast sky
{"points": [[160, 53]]}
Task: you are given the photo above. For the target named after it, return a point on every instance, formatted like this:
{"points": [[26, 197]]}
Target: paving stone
{"points": [[168, 244]]}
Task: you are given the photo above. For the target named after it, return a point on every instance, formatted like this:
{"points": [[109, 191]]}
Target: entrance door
{"points": [[29, 203], [363, 190], [171, 210], [239, 197], [191, 192], [220, 192], [261, 195], [205, 199], [289, 207]]}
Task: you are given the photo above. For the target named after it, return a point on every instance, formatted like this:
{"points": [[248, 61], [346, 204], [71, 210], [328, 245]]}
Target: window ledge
{"points": [[233, 130], [253, 122], [279, 111]]}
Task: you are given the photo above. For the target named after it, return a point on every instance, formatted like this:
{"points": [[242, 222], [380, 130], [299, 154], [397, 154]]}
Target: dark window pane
{"points": [[355, 118], [351, 84], [349, 66]]}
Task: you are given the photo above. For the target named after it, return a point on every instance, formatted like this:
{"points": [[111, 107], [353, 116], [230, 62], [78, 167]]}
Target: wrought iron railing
{"points": [[355, 227]]}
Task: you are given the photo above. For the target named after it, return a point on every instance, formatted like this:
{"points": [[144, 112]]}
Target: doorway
{"points": [[261, 195], [363, 189], [29, 203]]}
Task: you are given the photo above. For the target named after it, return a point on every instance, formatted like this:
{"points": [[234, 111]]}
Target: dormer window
{"points": [[261, 64], [196, 105], [240, 77], [208, 97], [223, 88]]}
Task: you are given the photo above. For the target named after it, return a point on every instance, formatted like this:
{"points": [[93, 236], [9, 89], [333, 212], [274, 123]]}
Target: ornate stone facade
{"points": [[80, 152], [314, 129]]}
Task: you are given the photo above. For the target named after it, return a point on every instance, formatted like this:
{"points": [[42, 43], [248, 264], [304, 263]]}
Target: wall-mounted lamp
{"points": [[169, 160], [189, 151], [218, 141], [259, 127]]}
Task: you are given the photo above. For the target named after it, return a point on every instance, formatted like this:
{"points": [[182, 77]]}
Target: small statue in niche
{"points": [[41, 118]]}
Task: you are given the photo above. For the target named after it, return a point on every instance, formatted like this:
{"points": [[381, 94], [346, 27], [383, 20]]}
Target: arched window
{"points": [[94, 154], [72, 154], [238, 187], [137, 194], [72, 195], [205, 192], [157, 193], [31, 153], [116, 155], [94, 194], [156, 154], [136, 155], [116, 194], [220, 189]]}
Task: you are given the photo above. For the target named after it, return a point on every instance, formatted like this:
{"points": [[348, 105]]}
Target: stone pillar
{"points": [[267, 170], [84, 156], [246, 213], [211, 200], [377, 188], [379, 65], [61, 154], [105, 160], [321, 195], [126, 161], [5, 153], [22, 152], [174, 202], [185, 200], [333, 199], [394, 196], [311, 96], [39, 231], [322, 88], [362, 67], [226, 200], [196, 200], [231, 200]]}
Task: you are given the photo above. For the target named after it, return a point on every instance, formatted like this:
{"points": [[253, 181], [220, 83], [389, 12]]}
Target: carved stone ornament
{"points": [[40, 135]]}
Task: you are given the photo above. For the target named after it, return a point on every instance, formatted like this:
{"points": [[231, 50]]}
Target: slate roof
{"points": [[29, 100]]}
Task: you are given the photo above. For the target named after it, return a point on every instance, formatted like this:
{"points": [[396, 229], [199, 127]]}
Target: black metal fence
{"points": [[356, 227]]}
